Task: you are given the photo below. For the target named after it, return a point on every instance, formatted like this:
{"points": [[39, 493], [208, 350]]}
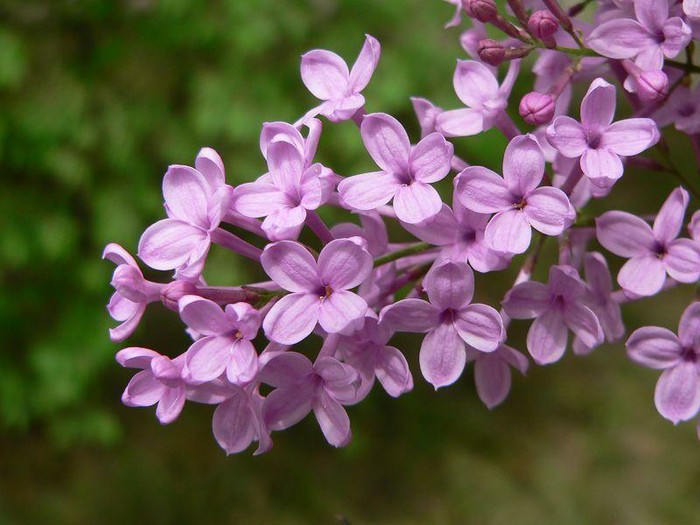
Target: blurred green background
{"points": [[96, 99]]}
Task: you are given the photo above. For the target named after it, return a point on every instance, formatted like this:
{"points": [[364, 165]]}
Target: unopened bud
{"points": [[174, 291], [484, 11], [491, 52], [543, 25], [537, 108], [652, 85]]}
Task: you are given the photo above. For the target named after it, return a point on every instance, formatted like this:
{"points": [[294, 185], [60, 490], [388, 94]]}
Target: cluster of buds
{"points": [[345, 290]]}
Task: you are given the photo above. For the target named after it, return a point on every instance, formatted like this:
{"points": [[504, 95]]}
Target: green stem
{"points": [[414, 249]]}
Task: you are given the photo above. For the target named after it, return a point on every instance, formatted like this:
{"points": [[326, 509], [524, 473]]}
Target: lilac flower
{"points": [[238, 421], [301, 387], [160, 381], [132, 295], [477, 87], [597, 140], [460, 234], [677, 395], [449, 320], [516, 200], [195, 202], [652, 253], [368, 353], [319, 290], [282, 131], [556, 307], [648, 39], [492, 372], [426, 113], [682, 109], [326, 76], [406, 172], [225, 343]]}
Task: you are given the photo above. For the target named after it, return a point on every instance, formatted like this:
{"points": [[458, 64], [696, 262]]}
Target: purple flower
{"points": [[225, 343], [406, 172], [648, 39], [319, 290], [238, 421], [449, 320], [556, 307], [682, 109], [195, 201], [132, 295], [652, 253], [599, 141], [326, 76], [426, 113], [677, 395], [492, 372], [516, 200], [282, 131], [301, 387], [160, 381], [477, 87]]}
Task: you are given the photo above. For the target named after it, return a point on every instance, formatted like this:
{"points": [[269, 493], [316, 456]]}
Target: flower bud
{"points": [[491, 52], [174, 291], [652, 85], [543, 25], [482, 10], [537, 108]]}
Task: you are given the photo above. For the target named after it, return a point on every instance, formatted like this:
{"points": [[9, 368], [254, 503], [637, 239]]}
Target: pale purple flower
{"points": [[326, 76], [225, 344], [238, 421], [677, 395], [159, 381], [450, 321], [650, 38], [492, 375], [477, 87], [320, 291], [195, 201], [597, 140], [301, 387], [557, 307], [652, 252], [682, 109], [283, 131], [132, 292], [407, 172], [426, 113], [515, 198]]}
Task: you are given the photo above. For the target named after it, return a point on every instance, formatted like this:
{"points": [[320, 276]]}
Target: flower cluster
{"points": [[347, 289]]}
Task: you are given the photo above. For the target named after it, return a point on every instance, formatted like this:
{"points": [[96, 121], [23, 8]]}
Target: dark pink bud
{"points": [[652, 85], [542, 24], [491, 52], [537, 108], [483, 10], [174, 291]]}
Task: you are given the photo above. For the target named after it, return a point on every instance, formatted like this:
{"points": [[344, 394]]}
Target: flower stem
{"points": [[411, 250]]}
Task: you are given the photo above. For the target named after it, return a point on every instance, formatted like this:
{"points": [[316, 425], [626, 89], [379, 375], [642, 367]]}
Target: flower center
{"points": [[689, 355], [238, 334], [326, 292]]}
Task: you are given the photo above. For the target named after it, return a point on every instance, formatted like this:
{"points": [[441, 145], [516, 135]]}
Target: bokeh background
{"points": [[96, 99]]}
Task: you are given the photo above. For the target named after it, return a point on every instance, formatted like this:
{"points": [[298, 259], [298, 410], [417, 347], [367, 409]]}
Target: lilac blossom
{"points": [[326, 76], [477, 87], [492, 374], [301, 387], [238, 421], [597, 140], [450, 321], [652, 253], [677, 395], [515, 198], [557, 307], [407, 172], [682, 109], [319, 291]]}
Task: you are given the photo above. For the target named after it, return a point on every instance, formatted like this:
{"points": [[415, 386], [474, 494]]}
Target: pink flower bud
{"points": [[491, 52], [174, 291], [483, 10], [652, 85], [542, 24], [537, 108]]}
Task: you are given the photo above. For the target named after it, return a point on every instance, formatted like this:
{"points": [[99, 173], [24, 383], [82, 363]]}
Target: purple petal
{"points": [[621, 38], [598, 105], [601, 166], [210, 165], [654, 347], [291, 266], [480, 326], [651, 14], [481, 190], [527, 300], [285, 132], [567, 136], [392, 371], [546, 339], [325, 74], [583, 322], [512, 357], [333, 419], [186, 191], [410, 315], [547, 210], [439, 230], [292, 318], [492, 379], [460, 122], [242, 365], [340, 310], [284, 407], [386, 141], [450, 285], [121, 309], [233, 424], [170, 405], [129, 325], [508, 231], [169, 243], [343, 264], [258, 199], [669, 220], [118, 255], [203, 316], [286, 165], [682, 260], [207, 358], [597, 273], [474, 83], [689, 326], [369, 190], [430, 159], [643, 275], [624, 234], [416, 202], [286, 369], [136, 357], [284, 223], [143, 390], [442, 356], [677, 394], [630, 137], [523, 165], [677, 35], [366, 63]]}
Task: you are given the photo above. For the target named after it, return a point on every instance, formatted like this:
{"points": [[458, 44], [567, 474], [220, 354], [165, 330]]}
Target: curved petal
{"points": [[449, 285], [439, 230], [386, 142], [508, 231], [284, 407], [392, 371], [682, 260], [186, 193], [430, 158], [143, 390], [333, 419], [286, 369], [136, 357], [369, 190], [677, 394], [527, 300], [242, 365], [118, 255], [480, 326], [210, 165], [630, 137], [546, 339], [340, 310], [286, 164], [474, 83], [291, 266], [598, 105], [292, 318], [284, 223], [643, 275], [463, 122], [129, 326], [689, 326], [547, 210], [583, 322], [416, 202], [258, 199], [324, 74], [601, 166], [567, 136], [410, 315], [669, 220], [624, 234], [203, 316], [651, 14], [169, 243], [442, 356], [492, 379], [620, 38], [654, 347], [366, 63], [523, 165], [233, 424], [342, 264], [482, 191], [207, 357], [170, 405]]}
